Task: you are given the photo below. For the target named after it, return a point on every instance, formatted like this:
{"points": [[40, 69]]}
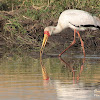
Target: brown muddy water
{"points": [[70, 78]]}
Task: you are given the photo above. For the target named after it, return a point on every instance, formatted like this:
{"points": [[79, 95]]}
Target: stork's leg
{"points": [[82, 43], [70, 44]]}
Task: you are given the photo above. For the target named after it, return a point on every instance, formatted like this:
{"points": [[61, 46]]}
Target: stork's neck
{"points": [[57, 29]]}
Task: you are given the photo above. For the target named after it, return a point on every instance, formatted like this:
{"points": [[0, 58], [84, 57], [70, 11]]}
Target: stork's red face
{"points": [[46, 35]]}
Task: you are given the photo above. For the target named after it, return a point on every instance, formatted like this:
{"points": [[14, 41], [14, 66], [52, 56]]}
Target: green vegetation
{"points": [[22, 21]]}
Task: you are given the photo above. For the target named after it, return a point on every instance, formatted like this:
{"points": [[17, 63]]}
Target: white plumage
{"points": [[72, 18], [75, 19]]}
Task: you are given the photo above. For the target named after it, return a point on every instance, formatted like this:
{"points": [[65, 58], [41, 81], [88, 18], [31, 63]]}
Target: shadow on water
{"points": [[21, 78]]}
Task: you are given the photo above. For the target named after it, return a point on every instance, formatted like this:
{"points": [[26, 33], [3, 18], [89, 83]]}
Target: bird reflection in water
{"points": [[71, 68], [44, 71]]}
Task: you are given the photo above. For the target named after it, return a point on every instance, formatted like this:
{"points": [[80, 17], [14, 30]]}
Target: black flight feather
{"points": [[88, 25]]}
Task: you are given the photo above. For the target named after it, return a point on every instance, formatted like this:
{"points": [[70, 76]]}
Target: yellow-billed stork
{"points": [[77, 20]]}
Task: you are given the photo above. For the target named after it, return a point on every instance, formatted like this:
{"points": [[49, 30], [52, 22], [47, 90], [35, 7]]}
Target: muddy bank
{"points": [[30, 41], [91, 40]]}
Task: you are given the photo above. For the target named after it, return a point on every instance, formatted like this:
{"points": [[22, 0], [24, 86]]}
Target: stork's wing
{"points": [[77, 17], [82, 20]]}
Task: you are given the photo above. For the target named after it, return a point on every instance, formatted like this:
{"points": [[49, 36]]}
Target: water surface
{"points": [[70, 78]]}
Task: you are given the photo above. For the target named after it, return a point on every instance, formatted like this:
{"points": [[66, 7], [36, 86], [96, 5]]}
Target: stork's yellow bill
{"points": [[45, 39]]}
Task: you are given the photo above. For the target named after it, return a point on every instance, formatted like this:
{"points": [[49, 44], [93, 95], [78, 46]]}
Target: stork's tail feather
{"points": [[97, 20], [98, 27]]}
